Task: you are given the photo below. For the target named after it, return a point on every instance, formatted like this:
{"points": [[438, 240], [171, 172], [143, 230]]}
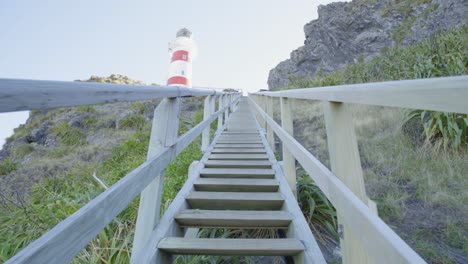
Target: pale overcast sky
{"points": [[238, 41]]}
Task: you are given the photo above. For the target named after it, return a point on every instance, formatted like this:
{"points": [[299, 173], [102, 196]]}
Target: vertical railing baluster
{"points": [[346, 164], [289, 162], [220, 106], [269, 111], [208, 110], [164, 132]]}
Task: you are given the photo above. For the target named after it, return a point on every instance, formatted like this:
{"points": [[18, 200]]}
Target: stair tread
{"points": [[233, 218], [236, 185], [239, 150], [235, 200], [238, 156], [237, 171], [237, 164], [231, 247]]}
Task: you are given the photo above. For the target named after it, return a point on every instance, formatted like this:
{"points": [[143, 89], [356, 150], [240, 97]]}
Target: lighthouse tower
{"points": [[182, 50]]}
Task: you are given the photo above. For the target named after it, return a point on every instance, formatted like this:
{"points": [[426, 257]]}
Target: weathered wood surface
{"points": [[235, 200], [289, 163], [236, 172], [163, 134], [236, 185], [381, 242], [168, 226], [231, 247], [208, 110], [346, 164], [234, 219], [299, 228], [238, 156], [65, 240], [258, 164], [20, 95], [446, 94]]}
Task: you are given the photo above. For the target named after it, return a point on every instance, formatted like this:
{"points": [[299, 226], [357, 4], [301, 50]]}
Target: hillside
{"points": [[414, 162], [347, 32], [47, 168]]}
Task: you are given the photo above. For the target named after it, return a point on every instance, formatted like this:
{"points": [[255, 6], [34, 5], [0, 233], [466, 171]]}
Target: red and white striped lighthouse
{"points": [[182, 50]]}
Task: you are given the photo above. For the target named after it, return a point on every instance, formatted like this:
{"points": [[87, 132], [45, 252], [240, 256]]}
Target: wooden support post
{"points": [[226, 112], [346, 165], [261, 103], [269, 110], [208, 110], [220, 106], [289, 162], [163, 133]]}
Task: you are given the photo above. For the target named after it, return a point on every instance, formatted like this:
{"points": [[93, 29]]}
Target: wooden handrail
{"points": [[69, 237], [21, 95], [379, 240], [448, 94]]}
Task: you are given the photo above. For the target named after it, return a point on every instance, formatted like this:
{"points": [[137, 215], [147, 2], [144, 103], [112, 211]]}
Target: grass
{"points": [[22, 150], [69, 136], [7, 166], [133, 121], [65, 191]]}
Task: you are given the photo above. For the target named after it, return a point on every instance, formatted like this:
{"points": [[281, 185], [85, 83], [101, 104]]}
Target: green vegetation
{"points": [[411, 172], [134, 121], [445, 54], [22, 150], [69, 136], [7, 166]]}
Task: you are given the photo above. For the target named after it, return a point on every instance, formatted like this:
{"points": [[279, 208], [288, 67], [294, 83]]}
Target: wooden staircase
{"points": [[238, 188]]}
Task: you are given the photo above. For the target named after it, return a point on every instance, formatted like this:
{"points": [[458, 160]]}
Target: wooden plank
{"points": [[63, 242], [254, 145], [289, 163], [238, 150], [235, 200], [346, 164], [168, 226], [269, 131], [234, 219], [238, 157], [236, 185], [208, 110], [236, 173], [231, 247], [259, 164], [299, 228], [380, 240], [221, 120], [446, 94], [53, 94], [163, 133]]}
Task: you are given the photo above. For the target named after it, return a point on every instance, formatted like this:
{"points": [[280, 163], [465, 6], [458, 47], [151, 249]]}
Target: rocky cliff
{"points": [[345, 32]]}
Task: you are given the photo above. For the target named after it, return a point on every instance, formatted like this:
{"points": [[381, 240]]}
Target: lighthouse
{"points": [[182, 51]]}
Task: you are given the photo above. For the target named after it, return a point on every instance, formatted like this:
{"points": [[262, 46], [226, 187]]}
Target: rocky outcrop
{"points": [[345, 32]]}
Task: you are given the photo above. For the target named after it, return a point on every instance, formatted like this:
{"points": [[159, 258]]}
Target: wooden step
{"points": [[234, 219], [231, 247], [235, 200], [228, 145], [237, 173], [238, 157], [238, 150], [236, 185], [261, 164]]}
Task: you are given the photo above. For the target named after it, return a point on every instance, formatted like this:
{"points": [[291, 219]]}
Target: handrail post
{"points": [[226, 111], [261, 103], [220, 117], [289, 162], [164, 133], [208, 110], [269, 111], [346, 164]]}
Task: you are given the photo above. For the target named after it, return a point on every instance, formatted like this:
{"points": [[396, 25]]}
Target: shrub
{"points": [[134, 121], [22, 150], [7, 166], [70, 136]]}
